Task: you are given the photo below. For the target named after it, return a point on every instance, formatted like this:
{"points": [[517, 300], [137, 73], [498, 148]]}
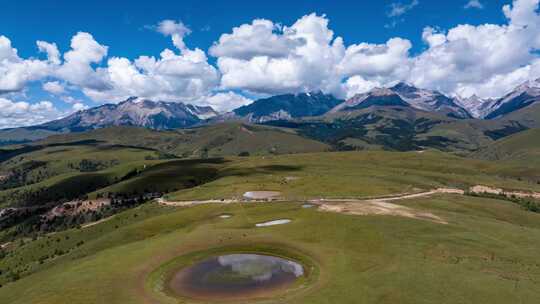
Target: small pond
{"points": [[236, 276]]}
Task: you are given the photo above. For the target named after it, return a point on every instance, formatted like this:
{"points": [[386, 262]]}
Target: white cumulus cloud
{"points": [[16, 72], [53, 87], [223, 102], [303, 57], [21, 113]]}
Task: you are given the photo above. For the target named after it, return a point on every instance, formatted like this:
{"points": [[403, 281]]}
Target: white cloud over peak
{"points": [[260, 38], [184, 77], [303, 59], [223, 102], [377, 60], [79, 107], [483, 59]]}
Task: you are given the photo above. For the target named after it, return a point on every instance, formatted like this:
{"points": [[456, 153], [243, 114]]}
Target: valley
{"points": [[363, 190], [378, 211], [267, 152]]}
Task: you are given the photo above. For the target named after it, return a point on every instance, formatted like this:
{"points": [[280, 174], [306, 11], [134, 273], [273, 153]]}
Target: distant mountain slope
{"points": [[522, 96], [23, 135], [528, 116], [400, 128], [376, 97], [429, 100], [404, 94], [521, 146], [476, 106], [133, 112], [287, 106], [222, 139]]}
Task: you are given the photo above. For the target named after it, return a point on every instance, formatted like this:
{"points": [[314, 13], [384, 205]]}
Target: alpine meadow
{"points": [[237, 152]]}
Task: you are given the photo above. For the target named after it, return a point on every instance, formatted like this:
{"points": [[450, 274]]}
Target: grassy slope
{"points": [[522, 146], [403, 129], [60, 159], [488, 253], [60, 171], [9, 136], [218, 140], [529, 116], [354, 174]]}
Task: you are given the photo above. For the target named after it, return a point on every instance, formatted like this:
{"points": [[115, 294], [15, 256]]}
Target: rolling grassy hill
{"points": [[357, 174], [528, 116], [223, 139], [487, 252], [381, 259], [520, 147], [400, 128]]}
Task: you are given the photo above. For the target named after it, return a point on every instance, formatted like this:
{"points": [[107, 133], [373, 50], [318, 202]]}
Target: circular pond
{"points": [[235, 276]]}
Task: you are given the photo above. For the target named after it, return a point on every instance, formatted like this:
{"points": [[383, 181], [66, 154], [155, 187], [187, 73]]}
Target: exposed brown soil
{"points": [[77, 207], [381, 206], [479, 189]]}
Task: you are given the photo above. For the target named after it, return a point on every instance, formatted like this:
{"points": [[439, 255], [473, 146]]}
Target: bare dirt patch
{"points": [[244, 129], [479, 189], [97, 222], [77, 207], [164, 202], [381, 206]]}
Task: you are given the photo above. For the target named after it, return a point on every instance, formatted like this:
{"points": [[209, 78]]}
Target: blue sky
{"points": [[121, 24], [487, 50]]}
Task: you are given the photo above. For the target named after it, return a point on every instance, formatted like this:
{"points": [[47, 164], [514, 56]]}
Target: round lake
{"points": [[235, 276]]}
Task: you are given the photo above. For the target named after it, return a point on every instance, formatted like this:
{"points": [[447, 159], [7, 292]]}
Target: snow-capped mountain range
{"points": [[170, 115], [134, 112]]}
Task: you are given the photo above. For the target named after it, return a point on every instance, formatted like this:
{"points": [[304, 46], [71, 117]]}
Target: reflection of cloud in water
{"points": [[259, 268]]}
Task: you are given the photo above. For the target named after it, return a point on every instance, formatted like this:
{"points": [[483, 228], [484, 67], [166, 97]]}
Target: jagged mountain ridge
{"points": [[134, 112], [476, 106], [375, 97], [522, 96], [290, 107], [430, 101], [287, 106]]}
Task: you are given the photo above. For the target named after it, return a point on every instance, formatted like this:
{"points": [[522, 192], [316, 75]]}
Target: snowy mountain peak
{"points": [[135, 111], [382, 92]]}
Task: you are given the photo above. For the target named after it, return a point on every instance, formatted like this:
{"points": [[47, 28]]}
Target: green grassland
{"points": [[51, 161], [354, 174], [487, 253], [224, 139], [520, 147]]}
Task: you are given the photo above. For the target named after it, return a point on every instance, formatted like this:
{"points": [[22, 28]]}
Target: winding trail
{"points": [[371, 206], [388, 198]]}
